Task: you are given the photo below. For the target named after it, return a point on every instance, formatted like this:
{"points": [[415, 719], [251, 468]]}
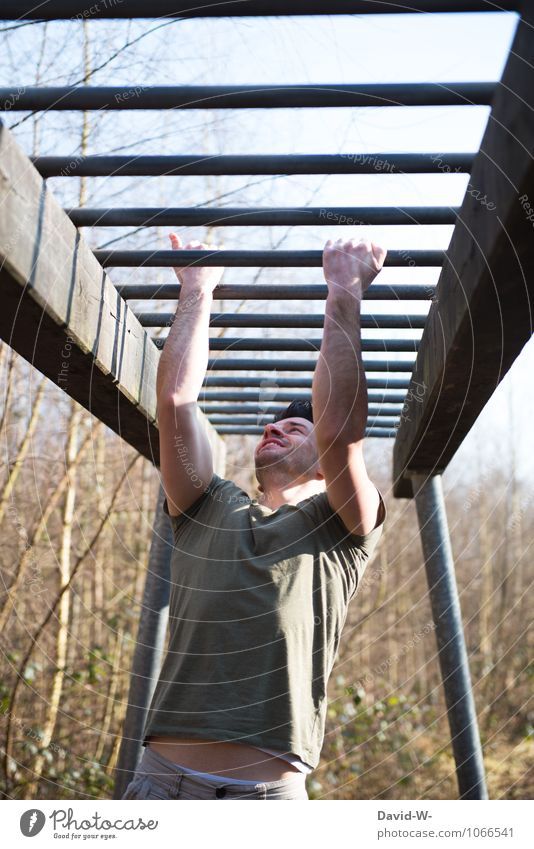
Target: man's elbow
{"points": [[175, 413], [176, 403]]}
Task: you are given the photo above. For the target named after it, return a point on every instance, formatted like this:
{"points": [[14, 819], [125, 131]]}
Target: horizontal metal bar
{"points": [[388, 433], [272, 409], [384, 421], [251, 164], [253, 259], [78, 9], [253, 409], [225, 343], [355, 216], [139, 96], [285, 397], [269, 384], [259, 364], [276, 291], [165, 319]]}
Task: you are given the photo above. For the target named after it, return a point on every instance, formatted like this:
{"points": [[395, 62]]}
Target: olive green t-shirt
{"points": [[258, 600]]}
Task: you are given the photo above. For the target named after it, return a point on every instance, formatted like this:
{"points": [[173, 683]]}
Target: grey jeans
{"points": [[158, 778]]}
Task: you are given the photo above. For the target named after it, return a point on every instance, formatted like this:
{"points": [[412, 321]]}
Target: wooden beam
{"points": [[482, 313], [61, 312]]}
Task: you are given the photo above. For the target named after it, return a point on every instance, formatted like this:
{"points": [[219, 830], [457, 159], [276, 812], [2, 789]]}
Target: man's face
{"points": [[290, 446]]}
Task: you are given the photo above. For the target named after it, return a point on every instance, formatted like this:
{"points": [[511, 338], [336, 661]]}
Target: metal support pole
{"points": [[452, 651], [149, 648]]}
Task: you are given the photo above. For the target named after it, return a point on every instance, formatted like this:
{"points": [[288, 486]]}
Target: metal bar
{"points": [[287, 397], [266, 383], [261, 421], [271, 409], [278, 364], [77, 9], [354, 216], [54, 98], [149, 647], [225, 343], [250, 164], [452, 652], [217, 414], [276, 291], [387, 433], [165, 319], [253, 259]]}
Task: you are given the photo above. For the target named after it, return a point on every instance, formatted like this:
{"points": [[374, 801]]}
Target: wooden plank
{"points": [[482, 314], [61, 312]]}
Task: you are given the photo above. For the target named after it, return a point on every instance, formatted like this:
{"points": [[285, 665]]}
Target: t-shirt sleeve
{"points": [[355, 550], [179, 521]]}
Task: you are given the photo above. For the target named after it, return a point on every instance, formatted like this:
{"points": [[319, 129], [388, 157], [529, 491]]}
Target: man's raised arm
{"points": [[339, 393], [185, 454]]}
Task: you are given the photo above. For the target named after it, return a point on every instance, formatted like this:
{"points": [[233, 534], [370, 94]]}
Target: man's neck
{"points": [[277, 494]]}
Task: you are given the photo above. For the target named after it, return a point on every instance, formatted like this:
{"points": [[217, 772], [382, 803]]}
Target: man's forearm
{"points": [[184, 360], [339, 391]]}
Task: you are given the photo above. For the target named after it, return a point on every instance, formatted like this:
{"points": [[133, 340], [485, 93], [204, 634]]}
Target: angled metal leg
{"points": [[447, 617], [149, 648]]}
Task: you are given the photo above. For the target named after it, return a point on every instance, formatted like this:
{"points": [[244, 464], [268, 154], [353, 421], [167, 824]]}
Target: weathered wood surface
{"points": [[482, 315], [61, 312]]}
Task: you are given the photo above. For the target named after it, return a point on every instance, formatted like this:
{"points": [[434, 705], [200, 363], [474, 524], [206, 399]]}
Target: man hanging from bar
{"points": [[259, 587]]}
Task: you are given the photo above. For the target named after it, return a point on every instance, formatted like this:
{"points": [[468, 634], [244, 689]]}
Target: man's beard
{"points": [[288, 466]]}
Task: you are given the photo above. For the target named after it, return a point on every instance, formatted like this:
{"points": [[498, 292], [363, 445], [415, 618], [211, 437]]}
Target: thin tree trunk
{"points": [[28, 553], [118, 721], [110, 700], [64, 604], [9, 712], [486, 570], [10, 357], [24, 447], [105, 549], [148, 498], [36, 123], [511, 582]]}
